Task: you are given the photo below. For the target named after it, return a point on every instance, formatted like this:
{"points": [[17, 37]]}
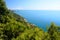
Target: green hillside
{"points": [[15, 27]]}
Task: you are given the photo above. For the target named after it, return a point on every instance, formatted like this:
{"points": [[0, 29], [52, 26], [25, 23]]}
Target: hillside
{"points": [[15, 27]]}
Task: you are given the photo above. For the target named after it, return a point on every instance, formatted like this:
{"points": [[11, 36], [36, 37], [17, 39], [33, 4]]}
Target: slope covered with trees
{"points": [[15, 27]]}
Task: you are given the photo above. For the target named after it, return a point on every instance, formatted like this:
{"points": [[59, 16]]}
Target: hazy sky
{"points": [[33, 4]]}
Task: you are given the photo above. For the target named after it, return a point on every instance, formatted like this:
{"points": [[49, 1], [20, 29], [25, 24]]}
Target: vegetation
{"points": [[15, 27]]}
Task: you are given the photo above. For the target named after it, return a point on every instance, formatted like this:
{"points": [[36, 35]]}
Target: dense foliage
{"points": [[15, 27]]}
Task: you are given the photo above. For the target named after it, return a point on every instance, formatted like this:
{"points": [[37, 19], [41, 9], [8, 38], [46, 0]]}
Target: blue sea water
{"points": [[41, 18]]}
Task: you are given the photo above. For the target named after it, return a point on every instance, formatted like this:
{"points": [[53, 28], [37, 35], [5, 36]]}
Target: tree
{"points": [[3, 8], [52, 31]]}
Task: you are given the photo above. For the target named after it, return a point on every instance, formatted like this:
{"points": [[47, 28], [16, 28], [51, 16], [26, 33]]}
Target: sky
{"points": [[33, 4]]}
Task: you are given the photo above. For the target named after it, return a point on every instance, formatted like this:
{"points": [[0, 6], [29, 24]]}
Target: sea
{"points": [[41, 18]]}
